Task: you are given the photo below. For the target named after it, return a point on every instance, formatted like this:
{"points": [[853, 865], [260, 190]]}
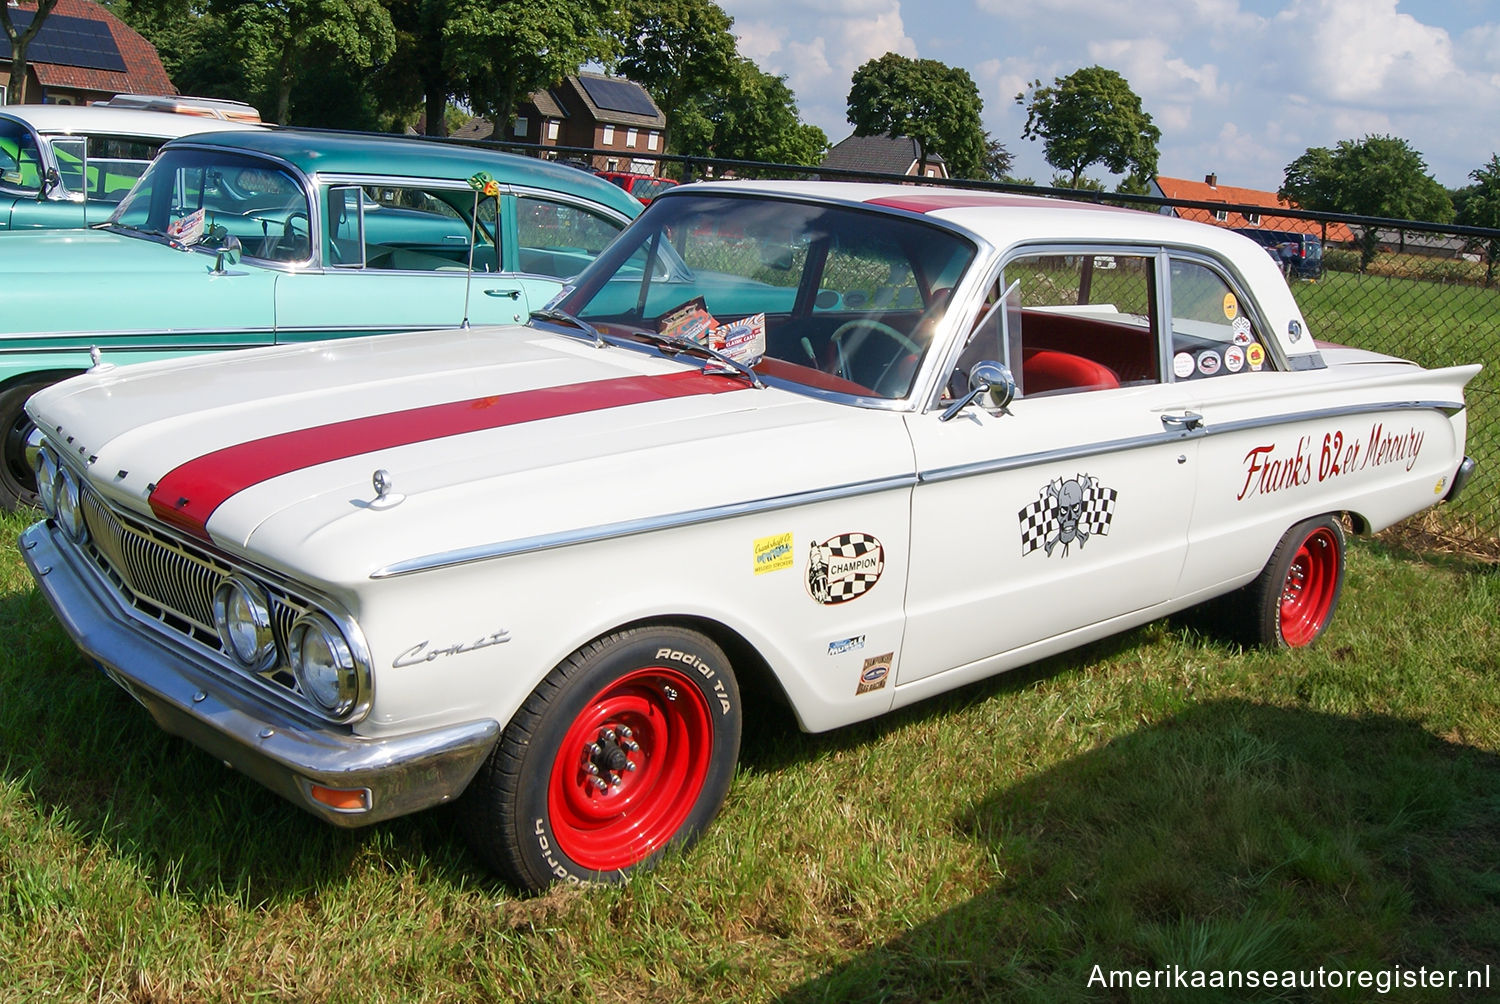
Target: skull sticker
{"points": [[1066, 512]]}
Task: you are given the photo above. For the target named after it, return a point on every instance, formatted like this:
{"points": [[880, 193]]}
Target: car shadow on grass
{"points": [[1231, 837]]}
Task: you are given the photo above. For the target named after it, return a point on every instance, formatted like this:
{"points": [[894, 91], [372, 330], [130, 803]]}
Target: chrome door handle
{"points": [[1187, 421], [514, 294]]}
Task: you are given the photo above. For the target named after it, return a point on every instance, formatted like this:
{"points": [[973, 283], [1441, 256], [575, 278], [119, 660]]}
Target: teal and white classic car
{"points": [[264, 237], [67, 166]]}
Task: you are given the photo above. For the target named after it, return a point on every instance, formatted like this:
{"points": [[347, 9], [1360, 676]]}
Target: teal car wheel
{"points": [[17, 482]]}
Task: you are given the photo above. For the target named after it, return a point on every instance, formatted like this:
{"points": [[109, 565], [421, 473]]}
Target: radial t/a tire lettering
{"points": [[1293, 599], [626, 748]]}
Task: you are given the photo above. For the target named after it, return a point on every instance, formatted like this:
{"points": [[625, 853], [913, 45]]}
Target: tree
{"points": [[753, 117], [1379, 176], [997, 160], [681, 51], [296, 31], [503, 50], [19, 40], [1091, 117], [930, 102], [1479, 206]]}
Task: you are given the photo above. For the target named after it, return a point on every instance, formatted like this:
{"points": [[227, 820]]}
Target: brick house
{"points": [[84, 54], [1209, 190]]}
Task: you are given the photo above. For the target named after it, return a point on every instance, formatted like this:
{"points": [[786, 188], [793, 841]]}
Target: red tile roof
{"points": [[143, 74], [1204, 191]]}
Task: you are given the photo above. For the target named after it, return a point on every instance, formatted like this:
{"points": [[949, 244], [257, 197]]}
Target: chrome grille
{"points": [[172, 582]]}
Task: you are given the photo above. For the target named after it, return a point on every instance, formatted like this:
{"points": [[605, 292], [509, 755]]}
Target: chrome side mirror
{"points": [[987, 379], [228, 253]]}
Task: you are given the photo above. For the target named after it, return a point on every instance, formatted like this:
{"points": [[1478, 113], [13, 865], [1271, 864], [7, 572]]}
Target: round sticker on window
{"points": [[1234, 359], [1231, 306], [1182, 364], [1209, 362], [1255, 355], [1241, 328]]}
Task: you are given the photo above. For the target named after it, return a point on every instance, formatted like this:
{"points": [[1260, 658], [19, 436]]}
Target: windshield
{"points": [[829, 297], [198, 196]]}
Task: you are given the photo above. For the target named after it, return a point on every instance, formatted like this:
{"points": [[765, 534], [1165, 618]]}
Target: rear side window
{"points": [[1213, 334], [20, 161]]}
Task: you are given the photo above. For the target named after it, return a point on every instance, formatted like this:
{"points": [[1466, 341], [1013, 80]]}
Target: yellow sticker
{"points": [[1231, 306], [772, 553], [1255, 355]]}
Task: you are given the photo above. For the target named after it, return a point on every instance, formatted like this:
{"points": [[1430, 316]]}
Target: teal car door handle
{"points": [[514, 294]]}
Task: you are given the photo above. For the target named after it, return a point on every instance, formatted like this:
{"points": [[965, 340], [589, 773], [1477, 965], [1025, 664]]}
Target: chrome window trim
{"points": [[633, 527]]}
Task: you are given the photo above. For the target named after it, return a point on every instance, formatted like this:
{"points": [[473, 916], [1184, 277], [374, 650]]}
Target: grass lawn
{"points": [[1154, 800]]}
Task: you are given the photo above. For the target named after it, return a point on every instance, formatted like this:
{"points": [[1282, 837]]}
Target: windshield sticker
{"points": [[1241, 328], [188, 229], [844, 568], [846, 645], [1231, 306], [773, 553], [875, 672], [1182, 364], [1067, 512], [1255, 355], [1272, 468], [1234, 359], [1209, 362]]}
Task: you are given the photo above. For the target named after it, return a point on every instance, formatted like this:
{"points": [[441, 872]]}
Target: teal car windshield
{"points": [[256, 200], [828, 297]]}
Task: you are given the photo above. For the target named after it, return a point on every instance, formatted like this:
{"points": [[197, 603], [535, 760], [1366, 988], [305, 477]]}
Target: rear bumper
{"points": [[1460, 479], [282, 748]]}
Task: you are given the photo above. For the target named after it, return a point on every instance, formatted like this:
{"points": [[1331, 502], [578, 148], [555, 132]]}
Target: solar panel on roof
{"points": [[67, 41], [618, 95]]}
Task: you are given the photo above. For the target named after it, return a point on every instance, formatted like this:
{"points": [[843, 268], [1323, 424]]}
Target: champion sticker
{"points": [[876, 671], [1234, 359], [1066, 513], [1209, 362], [773, 553], [846, 645], [844, 568], [1182, 364]]}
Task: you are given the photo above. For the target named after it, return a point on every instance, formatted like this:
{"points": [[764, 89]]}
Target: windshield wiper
{"points": [[682, 344], [553, 314]]}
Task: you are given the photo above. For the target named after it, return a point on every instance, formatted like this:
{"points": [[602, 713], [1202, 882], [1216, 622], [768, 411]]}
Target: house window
{"points": [[1253, 219], [1222, 215], [631, 135], [521, 125], [652, 138], [552, 129], [609, 135]]}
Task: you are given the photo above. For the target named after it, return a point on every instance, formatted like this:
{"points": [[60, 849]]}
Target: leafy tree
{"points": [[1091, 117], [421, 71], [1380, 176], [19, 40], [503, 50], [933, 103], [682, 52], [1479, 206], [754, 117], [997, 160]]}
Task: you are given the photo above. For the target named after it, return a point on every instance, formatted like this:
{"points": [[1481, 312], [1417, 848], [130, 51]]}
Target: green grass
{"points": [[1159, 798]]}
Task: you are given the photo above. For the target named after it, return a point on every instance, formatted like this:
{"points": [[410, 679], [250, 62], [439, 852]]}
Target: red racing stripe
{"points": [[189, 493]]}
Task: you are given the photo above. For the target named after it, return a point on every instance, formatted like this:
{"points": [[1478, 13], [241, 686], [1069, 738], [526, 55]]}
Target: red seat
{"points": [[1043, 370]]}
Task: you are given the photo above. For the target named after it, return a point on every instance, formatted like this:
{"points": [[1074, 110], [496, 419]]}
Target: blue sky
{"points": [[1238, 87]]}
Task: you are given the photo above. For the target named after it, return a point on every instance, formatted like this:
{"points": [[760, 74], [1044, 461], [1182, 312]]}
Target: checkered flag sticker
{"points": [[1066, 512], [844, 568]]}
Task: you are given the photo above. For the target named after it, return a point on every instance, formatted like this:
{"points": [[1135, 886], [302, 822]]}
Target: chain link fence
{"points": [[1416, 290]]}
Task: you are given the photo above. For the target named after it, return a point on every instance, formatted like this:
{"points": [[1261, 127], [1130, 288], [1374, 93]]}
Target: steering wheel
{"points": [[870, 324], [270, 242]]}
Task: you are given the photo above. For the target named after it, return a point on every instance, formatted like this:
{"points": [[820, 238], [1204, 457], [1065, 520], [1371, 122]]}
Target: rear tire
{"points": [[625, 749], [1293, 599]]}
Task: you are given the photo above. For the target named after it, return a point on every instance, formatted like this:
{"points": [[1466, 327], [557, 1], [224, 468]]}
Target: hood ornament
{"points": [[96, 361], [386, 496]]}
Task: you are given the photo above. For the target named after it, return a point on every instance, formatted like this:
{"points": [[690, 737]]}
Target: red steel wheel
{"points": [[630, 769], [1311, 587], [625, 749]]}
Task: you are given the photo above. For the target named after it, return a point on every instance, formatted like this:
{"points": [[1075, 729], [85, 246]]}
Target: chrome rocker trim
{"points": [[285, 750]]}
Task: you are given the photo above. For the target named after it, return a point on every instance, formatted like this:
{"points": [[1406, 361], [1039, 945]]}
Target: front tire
{"points": [[1293, 599], [17, 480], [625, 749]]}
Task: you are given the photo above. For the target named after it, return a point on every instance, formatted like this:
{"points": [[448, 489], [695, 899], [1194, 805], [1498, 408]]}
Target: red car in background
{"points": [[643, 186]]}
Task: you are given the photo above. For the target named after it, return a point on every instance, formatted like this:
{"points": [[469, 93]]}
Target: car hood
{"points": [[93, 280], [491, 438]]}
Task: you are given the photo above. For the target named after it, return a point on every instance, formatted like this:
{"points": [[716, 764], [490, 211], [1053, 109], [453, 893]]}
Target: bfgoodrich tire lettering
{"points": [[625, 749]]}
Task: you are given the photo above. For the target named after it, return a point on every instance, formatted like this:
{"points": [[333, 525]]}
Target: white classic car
{"points": [[857, 444]]}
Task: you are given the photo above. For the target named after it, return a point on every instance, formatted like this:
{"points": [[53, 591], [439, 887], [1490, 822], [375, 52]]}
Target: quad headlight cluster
{"points": [[59, 490]]}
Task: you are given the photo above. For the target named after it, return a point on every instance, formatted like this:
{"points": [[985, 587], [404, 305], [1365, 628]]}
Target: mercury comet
{"points": [[846, 446]]}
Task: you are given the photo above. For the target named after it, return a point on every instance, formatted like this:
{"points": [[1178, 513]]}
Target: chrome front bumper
{"points": [[282, 748]]}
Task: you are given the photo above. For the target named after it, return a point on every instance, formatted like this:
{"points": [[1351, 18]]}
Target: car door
{"points": [[1070, 508]]}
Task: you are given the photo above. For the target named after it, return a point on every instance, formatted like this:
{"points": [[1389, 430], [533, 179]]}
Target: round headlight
{"points": [[324, 664], [69, 498], [46, 480], [243, 617]]}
